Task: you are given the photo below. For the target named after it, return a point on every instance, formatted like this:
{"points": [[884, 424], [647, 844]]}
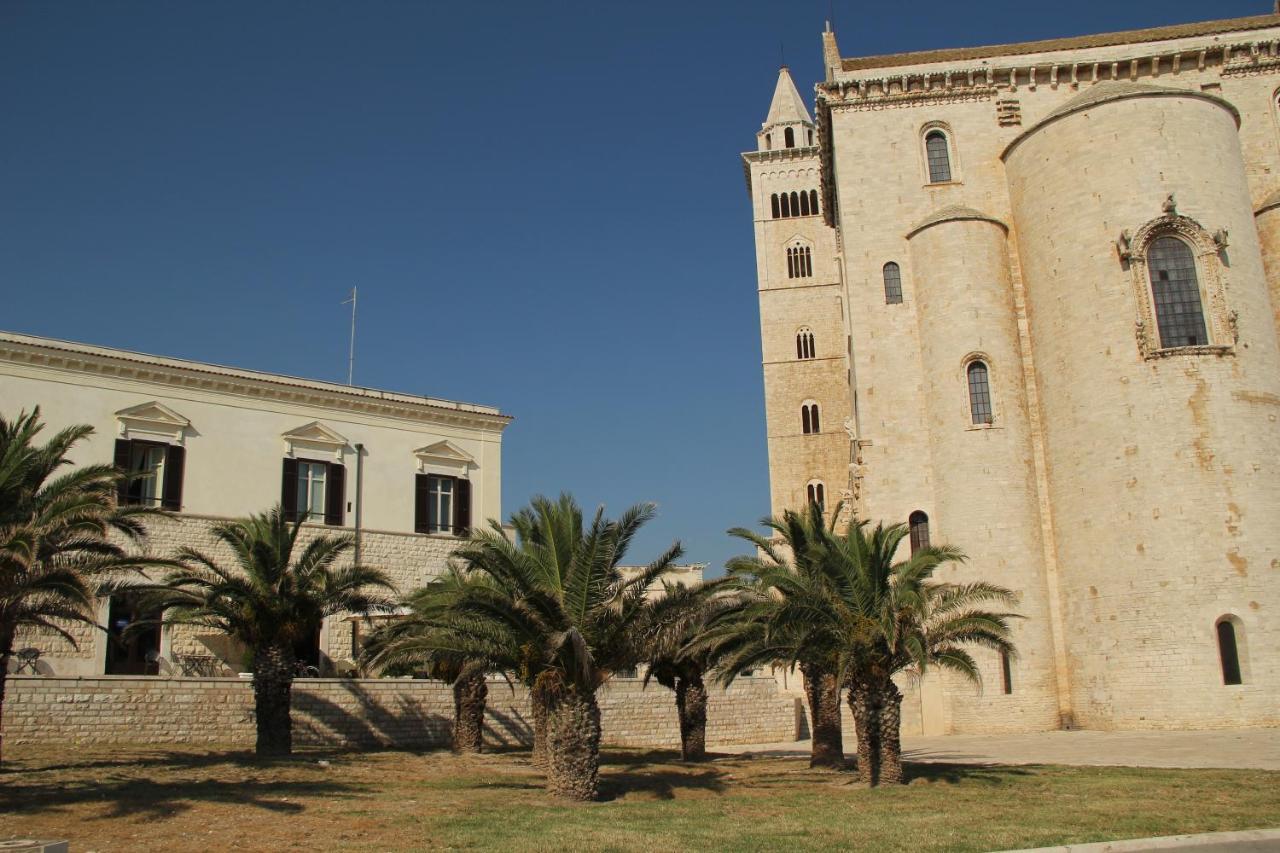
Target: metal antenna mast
{"points": [[351, 355]]}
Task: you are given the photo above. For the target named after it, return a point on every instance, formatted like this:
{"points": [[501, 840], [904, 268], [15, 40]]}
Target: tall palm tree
{"points": [[680, 661], [558, 592], [270, 602], [791, 620], [423, 641], [55, 531], [899, 619]]}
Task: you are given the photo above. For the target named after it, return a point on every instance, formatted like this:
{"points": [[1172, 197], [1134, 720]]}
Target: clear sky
{"points": [[541, 203]]}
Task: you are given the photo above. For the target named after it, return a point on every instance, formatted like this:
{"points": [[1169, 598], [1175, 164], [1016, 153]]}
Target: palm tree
{"points": [[898, 619], [423, 641], [557, 592], [790, 621], [270, 602], [54, 533], [679, 661]]}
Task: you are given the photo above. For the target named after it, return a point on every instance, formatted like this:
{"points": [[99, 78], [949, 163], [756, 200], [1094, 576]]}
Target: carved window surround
{"points": [[1220, 321]]}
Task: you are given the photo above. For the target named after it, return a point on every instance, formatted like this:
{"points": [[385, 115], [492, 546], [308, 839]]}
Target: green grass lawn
{"points": [[191, 799]]}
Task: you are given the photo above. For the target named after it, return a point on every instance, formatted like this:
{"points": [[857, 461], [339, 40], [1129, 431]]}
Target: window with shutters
{"points": [[314, 491], [442, 505], [799, 261], [892, 284], [154, 470], [805, 348], [918, 530], [809, 418]]}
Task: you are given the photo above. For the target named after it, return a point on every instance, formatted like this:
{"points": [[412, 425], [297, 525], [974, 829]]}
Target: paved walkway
{"points": [[1257, 749]]}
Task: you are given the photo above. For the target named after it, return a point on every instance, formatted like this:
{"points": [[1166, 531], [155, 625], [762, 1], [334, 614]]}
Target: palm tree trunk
{"points": [[890, 718], [691, 705], [866, 725], [823, 693], [538, 705], [272, 695], [573, 744], [469, 696], [6, 652]]}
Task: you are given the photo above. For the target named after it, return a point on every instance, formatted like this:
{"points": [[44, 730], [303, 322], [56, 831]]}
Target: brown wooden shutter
{"points": [[421, 500], [289, 490], [462, 510], [174, 459], [123, 447], [335, 495]]}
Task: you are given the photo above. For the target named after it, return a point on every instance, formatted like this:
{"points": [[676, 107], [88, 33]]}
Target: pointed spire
{"points": [[787, 105]]}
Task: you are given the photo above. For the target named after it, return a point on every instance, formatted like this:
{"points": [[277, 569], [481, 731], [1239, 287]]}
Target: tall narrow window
{"points": [[935, 147], [1176, 291], [1228, 651], [789, 137], [918, 527], [809, 419], [795, 204], [777, 211], [155, 473], [1006, 672], [804, 204], [799, 262], [786, 205], [817, 493], [311, 477], [811, 137], [979, 393], [813, 201], [804, 344], [768, 142], [892, 284]]}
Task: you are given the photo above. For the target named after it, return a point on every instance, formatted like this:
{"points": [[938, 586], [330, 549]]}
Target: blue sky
{"points": [[541, 203]]}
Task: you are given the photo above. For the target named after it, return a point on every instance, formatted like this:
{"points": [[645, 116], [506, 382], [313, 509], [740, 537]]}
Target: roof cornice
{"points": [[177, 374]]}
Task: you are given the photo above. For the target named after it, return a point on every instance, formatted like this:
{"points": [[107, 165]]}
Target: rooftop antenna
{"points": [[351, 354], [782, 51]]}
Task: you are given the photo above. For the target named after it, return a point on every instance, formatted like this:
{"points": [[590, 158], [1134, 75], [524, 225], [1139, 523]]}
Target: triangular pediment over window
{"points": [[152, 420], [315, 437], [444, 455]]}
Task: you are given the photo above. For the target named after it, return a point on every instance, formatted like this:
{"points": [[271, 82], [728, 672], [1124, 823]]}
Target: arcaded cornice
{"points": [[177, 374]]}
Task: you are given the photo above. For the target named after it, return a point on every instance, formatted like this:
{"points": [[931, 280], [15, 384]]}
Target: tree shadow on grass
{"points": [[954, 774], [151, 799], [658, 773], [189, 759]]}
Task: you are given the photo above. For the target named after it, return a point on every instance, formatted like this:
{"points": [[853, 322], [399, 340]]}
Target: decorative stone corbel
{"points": [[1170, 206], [1220, 239], [1122, 245]]}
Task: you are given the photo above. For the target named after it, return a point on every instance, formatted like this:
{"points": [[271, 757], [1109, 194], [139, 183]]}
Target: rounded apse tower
{"points": [[980, 441], [1159, 380]]}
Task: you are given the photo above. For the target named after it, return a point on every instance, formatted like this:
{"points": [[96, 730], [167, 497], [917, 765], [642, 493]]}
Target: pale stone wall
{"points": [[406, 713]]}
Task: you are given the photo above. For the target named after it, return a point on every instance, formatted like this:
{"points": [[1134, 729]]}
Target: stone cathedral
{"points": [[1025, 298]]}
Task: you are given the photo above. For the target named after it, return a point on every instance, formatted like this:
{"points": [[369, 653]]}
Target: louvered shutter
{"points": [[335, 495], [421, 500], [123, 447], [462, 511], [289, 490], [174, 460]]}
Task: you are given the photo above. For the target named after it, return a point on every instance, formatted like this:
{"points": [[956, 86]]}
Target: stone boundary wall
{"points": [[390, 712]]}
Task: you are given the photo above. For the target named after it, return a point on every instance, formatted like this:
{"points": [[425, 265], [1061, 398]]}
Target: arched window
{"points": [[768, 142], [809, 419], [777, 211], [810, 137], [804, 344], [918, 526], [817, 493], [804, 204], [979, 393], [786, 206], [795, 204], [799, 261], [939, 157], [1176, 292], [892, 284], [1228, 651], [1006, 672], [813, 201], [789, 137]]}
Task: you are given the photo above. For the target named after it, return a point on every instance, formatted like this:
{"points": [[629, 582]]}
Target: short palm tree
{"points": [[558, 593], [680, 661], [901, 620], [55, 531], [422, 641], [790, 621], [270, 602]]}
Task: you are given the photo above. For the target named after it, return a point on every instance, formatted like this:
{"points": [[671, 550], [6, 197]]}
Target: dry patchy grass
{"points": [[193, 799]]}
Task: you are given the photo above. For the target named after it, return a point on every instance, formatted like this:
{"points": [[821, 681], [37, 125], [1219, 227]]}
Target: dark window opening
{"points": [[789, 137], [786, 205], [1176, 291], [777, 211], [1006, 673], [979, 393], [135, 652], [155, 473], [918, 526], [1228, 652], [935, 144], [813, 201], [799, 262], [809, 418], [805, 345], [818, 495]]}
